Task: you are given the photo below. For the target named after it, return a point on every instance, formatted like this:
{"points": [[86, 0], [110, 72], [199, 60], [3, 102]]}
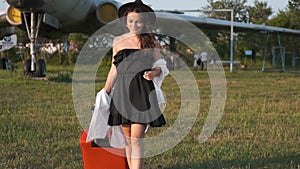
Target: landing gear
{"points": [[40, 68], [32, 66]]}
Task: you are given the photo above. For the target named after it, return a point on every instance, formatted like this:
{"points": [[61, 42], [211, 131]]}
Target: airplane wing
{"points": [[217, 24]]}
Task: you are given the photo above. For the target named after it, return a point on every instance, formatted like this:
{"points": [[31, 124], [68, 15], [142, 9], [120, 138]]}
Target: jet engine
{"points": [[107, 11], [13, 16]]}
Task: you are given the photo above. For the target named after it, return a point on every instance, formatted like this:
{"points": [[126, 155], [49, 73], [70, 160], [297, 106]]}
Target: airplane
{"points": [[56, 18]]}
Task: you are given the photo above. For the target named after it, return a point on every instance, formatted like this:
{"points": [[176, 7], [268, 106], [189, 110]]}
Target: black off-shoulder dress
{"points": [[134, 98]]}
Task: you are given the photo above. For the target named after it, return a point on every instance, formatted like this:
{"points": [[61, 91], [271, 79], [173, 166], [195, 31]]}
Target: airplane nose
{"points": [[26, 5]]}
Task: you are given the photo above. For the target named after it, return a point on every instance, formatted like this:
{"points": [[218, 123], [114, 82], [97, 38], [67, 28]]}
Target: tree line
{"points": [[260, 12]]}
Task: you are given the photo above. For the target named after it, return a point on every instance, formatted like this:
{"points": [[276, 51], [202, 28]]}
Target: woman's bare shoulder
{"points": [[119, 43], [120, 39]]}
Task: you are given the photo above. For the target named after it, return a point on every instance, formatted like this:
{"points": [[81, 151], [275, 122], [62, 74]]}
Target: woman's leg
{"points": [[127, 133], [137, 146]]}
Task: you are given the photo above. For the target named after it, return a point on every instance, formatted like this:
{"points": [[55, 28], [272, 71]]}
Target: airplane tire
{"points": [[40, 68], [27, 66], [3, 63]]}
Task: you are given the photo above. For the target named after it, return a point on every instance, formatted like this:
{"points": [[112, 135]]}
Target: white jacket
{"points": [[162, 64], [98, 126]]}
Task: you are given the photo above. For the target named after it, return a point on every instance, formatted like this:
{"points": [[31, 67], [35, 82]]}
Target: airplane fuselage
{"points": [[26, 5], [69, 16]]}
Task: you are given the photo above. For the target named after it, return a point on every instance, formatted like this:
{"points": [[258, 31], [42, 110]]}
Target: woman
{"points": [[134, 103]]}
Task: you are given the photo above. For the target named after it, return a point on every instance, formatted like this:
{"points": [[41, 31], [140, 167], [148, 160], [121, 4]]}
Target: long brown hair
{"points": [[146, 37]]}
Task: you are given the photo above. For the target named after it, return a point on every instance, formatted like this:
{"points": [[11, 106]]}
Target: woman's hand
{"points": [[150, 75]]}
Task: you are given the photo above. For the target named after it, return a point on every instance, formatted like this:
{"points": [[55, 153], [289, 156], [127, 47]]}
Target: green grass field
{"points": [[260, 127]]}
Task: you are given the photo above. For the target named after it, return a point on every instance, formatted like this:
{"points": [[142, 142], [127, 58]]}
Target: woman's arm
{"points": [[112, 72], [110, 78], [156, 71]]}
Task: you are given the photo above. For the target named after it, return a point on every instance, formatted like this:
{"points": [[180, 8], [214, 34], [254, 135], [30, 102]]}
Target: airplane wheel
{"points": [[27, 66], [3, 63], [40, 68]]}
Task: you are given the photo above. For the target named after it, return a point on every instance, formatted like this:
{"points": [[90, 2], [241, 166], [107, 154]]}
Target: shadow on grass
{"points": [[66, 77], [76, 81], [282, 162]]}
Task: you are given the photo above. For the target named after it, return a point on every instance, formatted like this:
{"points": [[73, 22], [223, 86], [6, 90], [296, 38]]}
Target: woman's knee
{"points": [[136, 142]]}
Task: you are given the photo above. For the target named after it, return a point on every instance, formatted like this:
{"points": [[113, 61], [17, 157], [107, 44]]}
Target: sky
{"points": [[186, 4], [198, 4], [3, 5]]}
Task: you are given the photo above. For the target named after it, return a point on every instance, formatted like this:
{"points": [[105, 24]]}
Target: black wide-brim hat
{"points": [[138, 4]]}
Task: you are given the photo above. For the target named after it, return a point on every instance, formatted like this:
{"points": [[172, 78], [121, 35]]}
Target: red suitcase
{"points": [[100, 157]]}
